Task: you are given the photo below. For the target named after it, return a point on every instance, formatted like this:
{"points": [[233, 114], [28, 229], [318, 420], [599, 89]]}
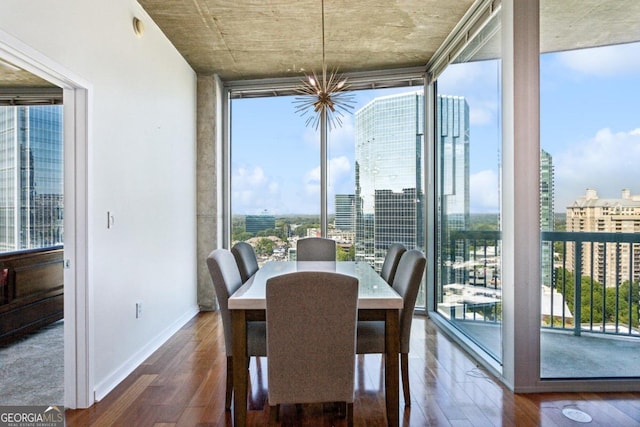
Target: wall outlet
{"points": [[138, 310]]}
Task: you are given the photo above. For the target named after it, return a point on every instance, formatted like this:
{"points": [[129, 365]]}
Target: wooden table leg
{"points": [[240, 363], [392, 374]]}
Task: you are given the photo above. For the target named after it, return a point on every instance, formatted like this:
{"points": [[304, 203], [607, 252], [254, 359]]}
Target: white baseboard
{"points": [[109, 383]]}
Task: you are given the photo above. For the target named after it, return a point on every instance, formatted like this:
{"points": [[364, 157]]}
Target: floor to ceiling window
{"points": [[375, 171], [31, 177], [275, 180], [467, 145], [590, 139], [497, 186]]}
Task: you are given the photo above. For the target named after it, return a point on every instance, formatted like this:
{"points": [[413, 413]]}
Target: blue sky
{"points": [[590, 123]]}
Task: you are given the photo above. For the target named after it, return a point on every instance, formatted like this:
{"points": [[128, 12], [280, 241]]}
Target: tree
{"points": [[276, 232], [238, 235], [597, 303], [348, 255], [264, 247]]}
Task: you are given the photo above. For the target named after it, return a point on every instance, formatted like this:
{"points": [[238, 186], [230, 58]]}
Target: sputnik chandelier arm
{"points": [[327, 94]]}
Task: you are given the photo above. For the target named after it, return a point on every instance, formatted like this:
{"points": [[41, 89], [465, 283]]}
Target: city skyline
{"points": [[31, 177], [280, 172]]}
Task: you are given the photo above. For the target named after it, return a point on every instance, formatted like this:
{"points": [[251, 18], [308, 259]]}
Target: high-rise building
{"points": [[396, 217], [31, 177], [389, 195], [546, 214], [609, 262], [452, 139], [345, 212]]}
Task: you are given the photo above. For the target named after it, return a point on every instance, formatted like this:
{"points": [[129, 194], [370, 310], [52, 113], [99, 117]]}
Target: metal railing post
{"points": [[577, 291]]}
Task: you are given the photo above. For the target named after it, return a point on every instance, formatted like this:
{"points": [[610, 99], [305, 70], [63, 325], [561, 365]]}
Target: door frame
{"points": [[78, 324]]}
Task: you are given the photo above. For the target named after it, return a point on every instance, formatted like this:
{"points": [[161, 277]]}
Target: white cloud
{"points": [[603, 61], [253, 191], [339, 170], [459, 77], [255, 175], [478, 83], [469, 77], [608, 162], [484, 191]]}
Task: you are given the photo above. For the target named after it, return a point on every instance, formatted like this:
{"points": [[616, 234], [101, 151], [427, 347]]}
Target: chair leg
{"points": [[404, 367], [350, 414], [229, 391]]}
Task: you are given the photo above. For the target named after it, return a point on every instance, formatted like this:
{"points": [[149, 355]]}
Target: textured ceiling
{"points": [[252, 39], [12, 76]]}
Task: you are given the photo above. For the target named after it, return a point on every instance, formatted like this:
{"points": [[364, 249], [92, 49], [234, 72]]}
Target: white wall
{"points": [[142, 139]]}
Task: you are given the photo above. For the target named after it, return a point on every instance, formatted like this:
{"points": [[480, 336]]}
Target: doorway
{"points": [[78, 381]]}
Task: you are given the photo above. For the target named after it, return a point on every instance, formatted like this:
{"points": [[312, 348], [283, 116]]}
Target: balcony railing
{"points": [[589, 280], [473, 290], [596, 276]]}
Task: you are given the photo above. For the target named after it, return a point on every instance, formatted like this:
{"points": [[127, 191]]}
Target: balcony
{"points": [[589, 299]]}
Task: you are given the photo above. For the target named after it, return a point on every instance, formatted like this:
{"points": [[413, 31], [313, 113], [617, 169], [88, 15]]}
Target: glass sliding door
{"points": [[468, 140], [590, 139]]}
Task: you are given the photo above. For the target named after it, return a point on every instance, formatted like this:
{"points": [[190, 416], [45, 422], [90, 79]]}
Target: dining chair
{"points": [[226, 280], [390, 264], [311, 332], [316, 249], [245, 259], [370, 334]]}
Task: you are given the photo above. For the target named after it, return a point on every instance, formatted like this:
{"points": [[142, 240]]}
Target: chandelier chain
{"points": [[327, 97]]}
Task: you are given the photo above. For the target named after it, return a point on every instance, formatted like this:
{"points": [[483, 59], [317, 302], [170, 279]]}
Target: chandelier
{"points": [[324, 99]]}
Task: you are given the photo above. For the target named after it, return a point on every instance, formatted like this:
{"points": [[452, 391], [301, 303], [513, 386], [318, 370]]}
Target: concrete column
{"points": [[207, 185]]}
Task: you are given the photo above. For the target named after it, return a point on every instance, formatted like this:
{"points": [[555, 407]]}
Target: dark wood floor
{"points": [[182, 384]]}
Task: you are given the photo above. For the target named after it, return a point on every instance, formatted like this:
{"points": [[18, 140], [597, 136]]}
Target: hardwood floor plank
{"points": [[125, 400], [183, 384], [627, 404], [601, 406], [211, 389]]}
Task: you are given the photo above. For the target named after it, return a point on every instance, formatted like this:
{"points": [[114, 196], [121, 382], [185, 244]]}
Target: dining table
{"points": [[376, 301]]}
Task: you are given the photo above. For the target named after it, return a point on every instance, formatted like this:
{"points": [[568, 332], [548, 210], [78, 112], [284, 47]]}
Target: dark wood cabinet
{"points": [[31, 291]]}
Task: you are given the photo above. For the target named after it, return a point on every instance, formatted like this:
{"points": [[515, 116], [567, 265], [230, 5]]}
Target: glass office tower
{"points": [[453, 135], [257, 223], [31, 177], [389, 175], [345, 212]]}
